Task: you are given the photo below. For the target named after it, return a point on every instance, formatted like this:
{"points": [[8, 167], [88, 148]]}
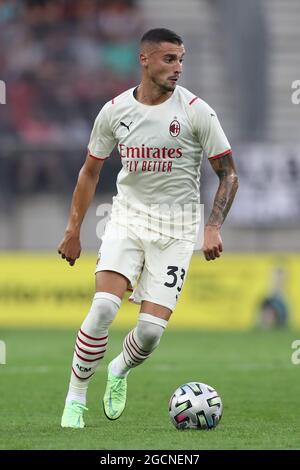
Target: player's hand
{"points": [[212, 246], [70, 247]]}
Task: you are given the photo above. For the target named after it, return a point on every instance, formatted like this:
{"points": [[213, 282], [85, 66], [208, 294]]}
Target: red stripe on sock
{"points": [[133, 351], [82, 378], [91, 345], [88, 360], [146, 352], [137, 348], [128, 365], [91, 337], [87, 352], [131, 355]]}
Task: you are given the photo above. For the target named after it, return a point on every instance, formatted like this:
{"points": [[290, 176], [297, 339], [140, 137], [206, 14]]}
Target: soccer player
{"points": [[161, 130]]}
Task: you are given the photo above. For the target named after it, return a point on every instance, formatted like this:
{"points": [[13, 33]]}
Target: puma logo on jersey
{"points": [[125, 125]]}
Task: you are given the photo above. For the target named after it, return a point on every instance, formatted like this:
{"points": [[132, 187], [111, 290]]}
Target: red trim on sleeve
{"points": [[96, 158], [193, 100], [227, 152]]}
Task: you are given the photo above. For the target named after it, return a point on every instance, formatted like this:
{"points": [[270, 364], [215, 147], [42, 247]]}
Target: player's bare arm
{"points": [[228, 185], [70, 247]]}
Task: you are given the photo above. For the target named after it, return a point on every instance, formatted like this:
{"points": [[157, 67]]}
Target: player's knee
{"points": [[104, 308], [149, 330]]}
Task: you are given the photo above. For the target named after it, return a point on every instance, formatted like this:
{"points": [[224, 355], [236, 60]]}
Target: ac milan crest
{"points": [[174, 128]]}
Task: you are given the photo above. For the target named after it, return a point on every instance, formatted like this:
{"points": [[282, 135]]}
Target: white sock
{"points": [[138, 344], [91, 344]]}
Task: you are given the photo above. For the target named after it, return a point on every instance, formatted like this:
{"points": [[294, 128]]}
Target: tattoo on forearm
{"points": [[224, 168]]}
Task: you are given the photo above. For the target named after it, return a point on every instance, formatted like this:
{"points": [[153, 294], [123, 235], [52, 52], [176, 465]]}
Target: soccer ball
{"points": [[195, 406]]}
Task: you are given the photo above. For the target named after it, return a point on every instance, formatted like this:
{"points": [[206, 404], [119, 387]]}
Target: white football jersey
{"points": [[161, 149]]}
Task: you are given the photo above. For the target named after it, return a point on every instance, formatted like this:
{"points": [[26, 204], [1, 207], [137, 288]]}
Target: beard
{"points": [[164, 86], [168, 87]]}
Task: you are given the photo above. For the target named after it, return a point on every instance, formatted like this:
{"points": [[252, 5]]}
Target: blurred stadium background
{"points": [[61, 61]]}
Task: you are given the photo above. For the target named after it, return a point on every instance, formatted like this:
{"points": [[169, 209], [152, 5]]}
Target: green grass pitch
{"points": [[253, 372]]}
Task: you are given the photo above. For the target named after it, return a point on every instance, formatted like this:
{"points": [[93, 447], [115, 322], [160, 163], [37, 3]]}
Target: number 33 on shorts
{"points": [[176, 278]]}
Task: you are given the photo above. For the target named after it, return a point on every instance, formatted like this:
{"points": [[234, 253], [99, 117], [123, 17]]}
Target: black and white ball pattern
{"points": [[195, 405]]}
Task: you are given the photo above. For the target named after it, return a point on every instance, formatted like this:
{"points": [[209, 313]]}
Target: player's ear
{"points": [[143, 59]]}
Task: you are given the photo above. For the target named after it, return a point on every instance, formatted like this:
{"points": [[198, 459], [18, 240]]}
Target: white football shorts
{"points": [[155, 267]]}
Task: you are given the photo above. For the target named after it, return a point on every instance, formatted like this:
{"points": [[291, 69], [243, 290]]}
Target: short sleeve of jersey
{"points": [[102, 140], [209, 131]]}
